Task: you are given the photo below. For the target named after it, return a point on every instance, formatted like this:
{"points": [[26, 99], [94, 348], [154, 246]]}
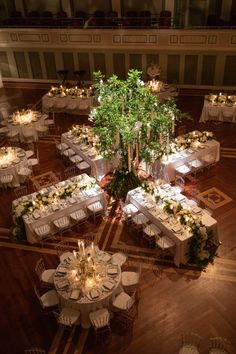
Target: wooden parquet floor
{"points": [[173, 300]]}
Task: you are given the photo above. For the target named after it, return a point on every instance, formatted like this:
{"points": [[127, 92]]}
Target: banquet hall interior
{"points": [[117, 176]]}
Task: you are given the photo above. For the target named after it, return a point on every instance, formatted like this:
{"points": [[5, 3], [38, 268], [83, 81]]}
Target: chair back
{"points": [[70, 172], [20, 191], [36, 291], [191, 338], [40, 267], [220, 343]]}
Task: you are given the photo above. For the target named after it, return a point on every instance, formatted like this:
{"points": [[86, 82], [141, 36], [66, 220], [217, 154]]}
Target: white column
{"points": [[20, 6], [115, 5], [226, 10], [66, 6]]}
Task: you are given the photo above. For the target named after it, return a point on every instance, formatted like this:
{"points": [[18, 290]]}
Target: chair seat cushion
{"points": [[118, 258], [50, 298], [100, 318], [73, 314], [165, 243], [95, 207], [129, 278], [48, 276], [123, 301], [83, 165]]}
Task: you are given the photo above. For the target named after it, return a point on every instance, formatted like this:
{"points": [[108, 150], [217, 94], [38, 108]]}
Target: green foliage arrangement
{"points": [[131, 125]]}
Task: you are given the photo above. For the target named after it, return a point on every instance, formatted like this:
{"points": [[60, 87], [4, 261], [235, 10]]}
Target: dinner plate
{"points": [[94, 294], [108, 285]]}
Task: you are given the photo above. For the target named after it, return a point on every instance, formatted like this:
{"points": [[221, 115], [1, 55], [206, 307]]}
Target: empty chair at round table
{"points": [[100, 320], [46, 276], [219, 345]]}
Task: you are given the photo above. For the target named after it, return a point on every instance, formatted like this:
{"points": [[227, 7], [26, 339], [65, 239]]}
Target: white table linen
{"points": [[64, 207], [99, 166], [211, 147], [14, 167], [30, 128], [66, 104], [145, 203], [106, 287], [220, 112]]}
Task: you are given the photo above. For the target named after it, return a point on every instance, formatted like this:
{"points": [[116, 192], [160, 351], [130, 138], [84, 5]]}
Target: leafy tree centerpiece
{"points": [[132, 126]]}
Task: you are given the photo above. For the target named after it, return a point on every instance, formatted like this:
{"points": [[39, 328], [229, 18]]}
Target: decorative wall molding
{"points": [[233, 40], [193, 39], [122, 38]]}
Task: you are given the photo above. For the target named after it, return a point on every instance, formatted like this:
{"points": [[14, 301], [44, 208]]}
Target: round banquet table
{"points": [[30, 128], [13, 167], [91, 297]]}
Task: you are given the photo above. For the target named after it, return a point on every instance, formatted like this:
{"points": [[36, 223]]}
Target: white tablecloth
{"points": [[13, 168], [85, 304], [144, 202], [218, 112], [66, 206], [30, 128], [175, 160], [99, 166], [67, 104]]}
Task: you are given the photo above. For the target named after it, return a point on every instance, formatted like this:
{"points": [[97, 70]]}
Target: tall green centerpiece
{"points": [[132, 126]]}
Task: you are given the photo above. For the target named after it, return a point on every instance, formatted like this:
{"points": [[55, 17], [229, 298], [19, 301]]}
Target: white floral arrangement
{"points": [[201, 247], [73, 91], [85, 134], [153, 70], [189, 140]]}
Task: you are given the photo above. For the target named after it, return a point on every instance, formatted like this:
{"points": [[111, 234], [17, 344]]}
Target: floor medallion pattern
{"points": [[44, 180], [214, 198]]}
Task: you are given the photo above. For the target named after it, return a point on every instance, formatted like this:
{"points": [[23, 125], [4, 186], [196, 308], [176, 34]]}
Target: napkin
{"points": [[106, 257], [36, 214], [62, 283], [112, 271], [108, 285], [75, 294], [94, 293], [163, 217], [196, 210], [176, 228]]}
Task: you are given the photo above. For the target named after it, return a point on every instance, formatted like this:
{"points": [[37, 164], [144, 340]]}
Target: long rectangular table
{"points": [[210, 148], [153, 211], [218, 112], [99, 166], [66, 206], [66, 104]]}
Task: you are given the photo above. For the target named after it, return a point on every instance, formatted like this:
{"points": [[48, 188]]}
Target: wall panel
{"points": [[173, 65], [99, 62], [208, 69], [229, 71], [21, 65], [119, 65], [135, 61], [4, 65], [35, 64], [68, 61], [190, 69], [84, 64], [50, 65]]}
